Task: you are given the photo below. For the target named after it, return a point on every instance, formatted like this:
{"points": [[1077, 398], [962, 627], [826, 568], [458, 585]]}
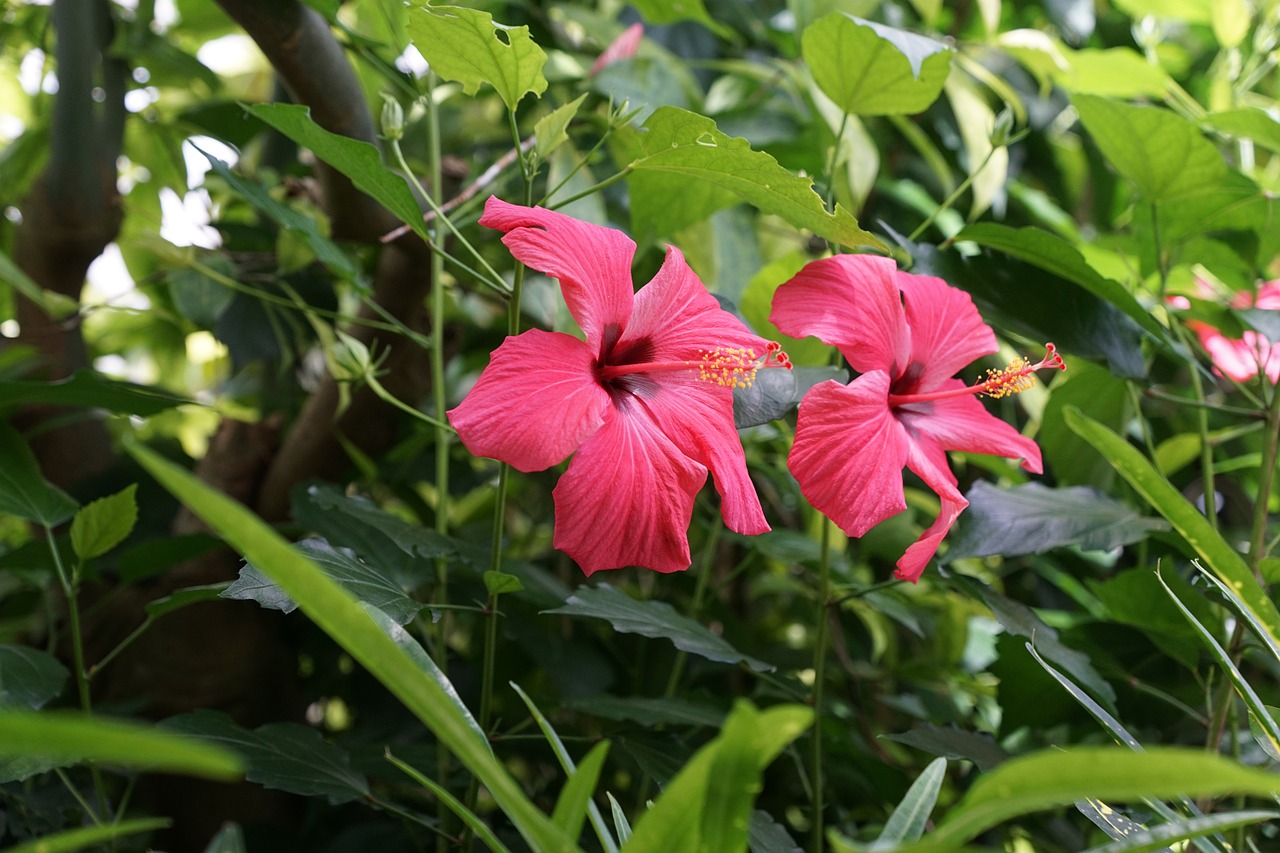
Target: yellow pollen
{"points": [[734, 367], [1016, 377]]}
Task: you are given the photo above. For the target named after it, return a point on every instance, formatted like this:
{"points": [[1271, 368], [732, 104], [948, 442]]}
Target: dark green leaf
{"points": [[359, 161], [1102, 396], [955, 744], [670, 11], [1134, 597], [650, 711], [184, 597], [103, 524], [1140, 839], [1053, 254], [1162, 153], [1110, 821], [774, 393], [150, 558], [575, 797], [23, 491], [469, 47], [908, 820], [230, 839], [285, 756], [1266, 321], [680, 160], [766, 835], [326, 251], [1033, 518], [872, 69], [653, 619], [1061, 312], [90, 390], [1020, 620], [29, 677], [89, 836], [364, 581], [199, 297]]}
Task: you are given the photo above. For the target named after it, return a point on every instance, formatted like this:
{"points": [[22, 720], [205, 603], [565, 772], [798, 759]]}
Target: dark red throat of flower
{"points": [[1018, 376], [734, 367]]}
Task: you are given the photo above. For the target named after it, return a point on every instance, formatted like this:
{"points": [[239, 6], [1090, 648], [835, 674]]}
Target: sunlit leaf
{"points": [[909, 817], [871, 69], [469, 47], [103, 524]]}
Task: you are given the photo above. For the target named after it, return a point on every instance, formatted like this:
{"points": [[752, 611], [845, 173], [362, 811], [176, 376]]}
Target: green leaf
{"points": [[649, 711], [292, 221], [1246, 123], [571, 806], [184, 597], [1098, 393], [284, 756], [703, 810], [871, 69], [766, 835], [338, 614], [955, 744], [1033, 518], [621, 825], [680, 160], [908, 820], [653, 619], [103, 524], [364, 581], [550, 131], [1188, 521], [89, 836], [198, 296], [1117, 72], [1053, 254], [29, 677], [1051, 778], [776, 392], [670, 11], [500, 583], [414, 651], [76, 737], [86, 389], [484, 833], [1162, 153], [13, 275], [23, 490], [230, 839], [1104, 717], [468, 47], [358, 160], [1110, 821], [1142, 839], [569, 767], [1134, 597]]}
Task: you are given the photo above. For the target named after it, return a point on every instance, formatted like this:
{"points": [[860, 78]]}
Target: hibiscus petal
{"points": [[678, 319], [623, 47], [964, 424], [849, 451], [850, 302], [929, 462], [535, 403], [947, 332], [593, 263], [627, 498], [698, 418]]}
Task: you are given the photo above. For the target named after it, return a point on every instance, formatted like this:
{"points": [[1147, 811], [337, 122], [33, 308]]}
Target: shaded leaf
{"points": [[89, 836], [575, 797], [469, 47], [199, 297], [909, 817], [873, 69], [230, 839], [1033, 518], [184, 597], [103, 524], [1110, 821], [1140, 839], [955, 744], [1247, 123], [364, 581], [670, 11], [774, 393], [766, 835], [650, 711], [284, 756], [29, 677], [653, 619], [23, 490], [1134, 597], [358, 160], [90, 390], [681, 161]]}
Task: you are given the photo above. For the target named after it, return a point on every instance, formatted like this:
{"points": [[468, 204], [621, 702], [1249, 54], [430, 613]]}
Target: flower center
{"points": [[1017, 376], [734, 367]]}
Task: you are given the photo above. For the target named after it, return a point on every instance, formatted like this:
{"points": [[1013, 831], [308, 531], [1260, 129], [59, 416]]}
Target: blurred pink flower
{"points": [[646, 401], [905, 335], [623, 47], [1240, 358]]}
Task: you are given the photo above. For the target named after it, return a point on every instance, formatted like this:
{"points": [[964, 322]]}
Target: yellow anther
{"points": [[1014, 378], [734, 367]]}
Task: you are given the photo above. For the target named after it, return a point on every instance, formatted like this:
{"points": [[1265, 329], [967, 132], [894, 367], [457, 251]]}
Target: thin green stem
{"points": [[586, 158], [1157, 394], [378, 388], [124, 644], [613, 179], [1266, 478], [955, 194], [705, 568], [819, 679], [834, 159], [75, 794]]}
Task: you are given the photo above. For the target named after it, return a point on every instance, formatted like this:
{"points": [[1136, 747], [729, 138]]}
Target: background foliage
{"points": [[1092, 664]]}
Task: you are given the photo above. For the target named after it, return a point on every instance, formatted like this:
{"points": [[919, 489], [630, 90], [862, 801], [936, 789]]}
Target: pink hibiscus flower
{"points": [[905, 335], [1241, 358], [646, 401], [622, 47]]}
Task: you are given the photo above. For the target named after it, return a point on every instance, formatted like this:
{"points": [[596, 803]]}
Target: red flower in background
{"points": [[1241, 358], [623, 47], [646, 401], [905, 335]]}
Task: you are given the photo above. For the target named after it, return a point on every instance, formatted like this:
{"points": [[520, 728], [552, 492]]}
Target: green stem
{"points": [[705, 568], [124, 644], [441, 426], [819, 677], [955, 194], [834, 159], [613, 179], [586, 158], [1266, 478]]}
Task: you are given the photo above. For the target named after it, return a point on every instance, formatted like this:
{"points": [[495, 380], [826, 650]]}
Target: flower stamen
{"points": [[733, 367], [1016, 377]]}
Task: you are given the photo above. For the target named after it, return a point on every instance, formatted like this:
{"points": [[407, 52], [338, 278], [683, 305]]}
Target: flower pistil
{"points": [[1014, 378]]}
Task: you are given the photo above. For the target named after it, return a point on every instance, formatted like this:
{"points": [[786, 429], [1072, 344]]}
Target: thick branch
{"points": [[301, 47]]}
